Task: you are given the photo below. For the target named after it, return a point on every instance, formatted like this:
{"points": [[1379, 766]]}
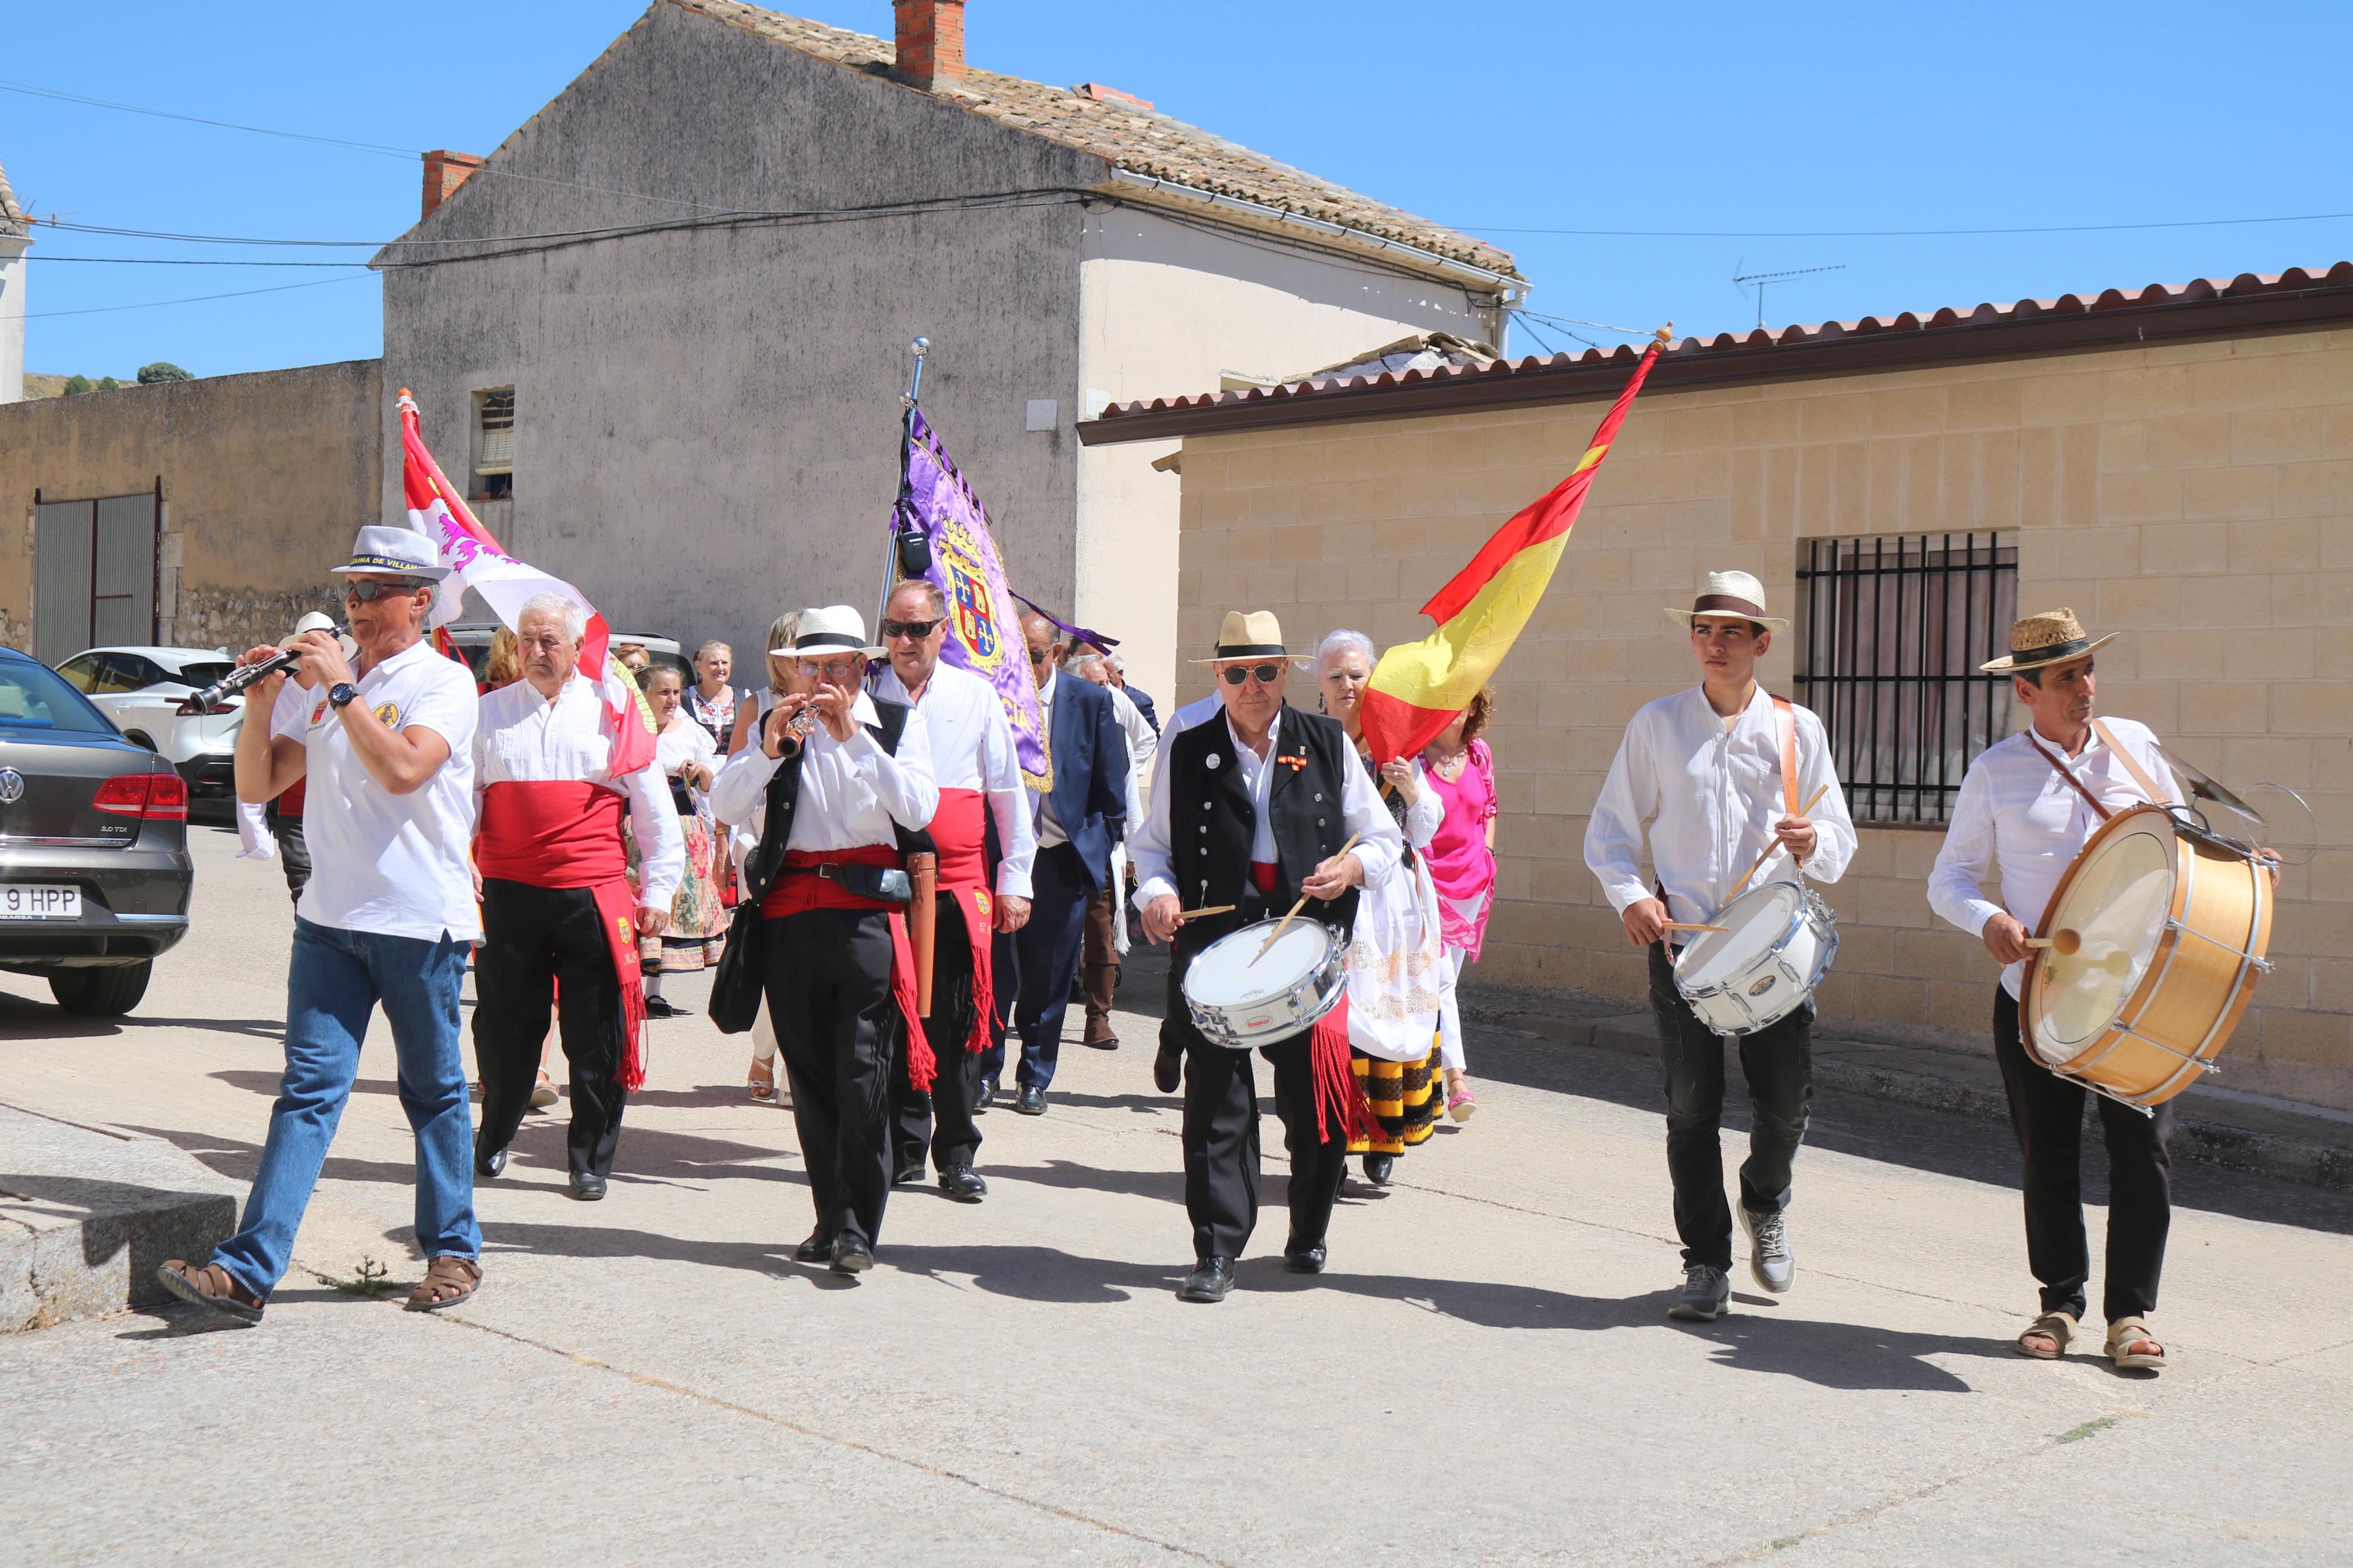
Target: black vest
{"points": [[785, 793], [1211, 822]]}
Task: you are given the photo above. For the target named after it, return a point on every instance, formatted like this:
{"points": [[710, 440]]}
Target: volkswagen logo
{"points": [[11, 786]]}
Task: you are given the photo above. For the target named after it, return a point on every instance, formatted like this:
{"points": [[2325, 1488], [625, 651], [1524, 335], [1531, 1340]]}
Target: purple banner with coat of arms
{"points": [[983, 628]]}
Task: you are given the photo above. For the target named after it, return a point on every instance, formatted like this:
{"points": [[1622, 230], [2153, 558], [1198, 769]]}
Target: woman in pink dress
{"points": [[1459, 769]]}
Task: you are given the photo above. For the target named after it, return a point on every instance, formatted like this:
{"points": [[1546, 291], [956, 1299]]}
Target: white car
{"points": [[141, 688]]}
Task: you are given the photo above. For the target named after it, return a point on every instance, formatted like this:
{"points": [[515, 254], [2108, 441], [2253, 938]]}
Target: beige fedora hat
{"points": [[1247, 634], [1730, 594], [2053, 637], [835, 628]]}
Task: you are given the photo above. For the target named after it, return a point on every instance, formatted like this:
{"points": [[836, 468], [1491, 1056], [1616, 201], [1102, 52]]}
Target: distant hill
{"points": [[43, 385]]}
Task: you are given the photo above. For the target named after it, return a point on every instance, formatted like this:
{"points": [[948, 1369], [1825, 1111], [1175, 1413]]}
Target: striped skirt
{"points": [[1406, 1098]]}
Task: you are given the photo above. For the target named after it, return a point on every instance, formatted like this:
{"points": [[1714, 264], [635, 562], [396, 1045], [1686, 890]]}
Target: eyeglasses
{"points": [[918, 630], [369, 592], [833, 668], [1266, 674]]}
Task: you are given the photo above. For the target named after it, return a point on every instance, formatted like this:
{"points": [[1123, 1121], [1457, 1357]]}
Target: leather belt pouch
{"points": [[885, 884]]}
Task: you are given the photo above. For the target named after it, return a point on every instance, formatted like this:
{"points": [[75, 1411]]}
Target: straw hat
{"points": [[836, 628], [2054, 636], [1247, 634], [1730, 594]]}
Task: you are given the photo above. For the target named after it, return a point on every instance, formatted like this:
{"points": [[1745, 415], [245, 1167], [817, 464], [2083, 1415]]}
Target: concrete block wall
{"points": [[2196, 498]]}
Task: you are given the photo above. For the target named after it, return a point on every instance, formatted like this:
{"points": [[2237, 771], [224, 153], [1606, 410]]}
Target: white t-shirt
{"points": [[391, 864]]}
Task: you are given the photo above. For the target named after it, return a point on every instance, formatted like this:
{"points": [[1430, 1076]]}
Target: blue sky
{"points": [[1495, 119]]}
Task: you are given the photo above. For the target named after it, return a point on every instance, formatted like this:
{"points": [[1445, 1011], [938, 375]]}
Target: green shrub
{"points": [[77, 384], [161, 370]]}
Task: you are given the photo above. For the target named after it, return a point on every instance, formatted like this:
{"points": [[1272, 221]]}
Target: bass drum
{"points": [[2169, 926]]}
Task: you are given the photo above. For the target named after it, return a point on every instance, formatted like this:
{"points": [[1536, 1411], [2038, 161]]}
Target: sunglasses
{"points": [[369, 592], [1236, 674], [918, 630], [1037, 657]]}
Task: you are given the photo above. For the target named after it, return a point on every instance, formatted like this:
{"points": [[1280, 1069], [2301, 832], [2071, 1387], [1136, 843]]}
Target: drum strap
{"points": [[2066, 772], [1785, 717], [2149, 785], [2139, 776]]}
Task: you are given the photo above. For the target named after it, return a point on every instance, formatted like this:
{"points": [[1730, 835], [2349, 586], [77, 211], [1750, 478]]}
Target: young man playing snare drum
{"points": [[2026, 808], [1703, 770]]}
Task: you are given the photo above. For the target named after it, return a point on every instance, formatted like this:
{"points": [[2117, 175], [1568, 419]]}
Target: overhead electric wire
{"points": [[374, 147], [190, 300], [187, 261], [1891, 233]]}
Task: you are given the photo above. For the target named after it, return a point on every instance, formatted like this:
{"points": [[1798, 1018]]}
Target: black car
{"points": [[94, 869]]}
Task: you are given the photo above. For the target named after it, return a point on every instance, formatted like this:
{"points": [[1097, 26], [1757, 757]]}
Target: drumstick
{"points": [[2065, 943], [1302, 904], [1689, 925], [1769, 848], [1184, 915]]}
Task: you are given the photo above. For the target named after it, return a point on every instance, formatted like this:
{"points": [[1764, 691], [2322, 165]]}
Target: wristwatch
{"points": [[342, 693]]}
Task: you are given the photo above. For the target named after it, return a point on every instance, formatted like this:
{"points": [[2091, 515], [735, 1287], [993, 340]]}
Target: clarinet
{"points": [[245, 675]]}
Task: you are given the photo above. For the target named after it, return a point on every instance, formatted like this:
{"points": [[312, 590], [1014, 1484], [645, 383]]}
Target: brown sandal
{"points": [[447, 1281], [210, 1286], [2059, 1328], [2125, 1333]]}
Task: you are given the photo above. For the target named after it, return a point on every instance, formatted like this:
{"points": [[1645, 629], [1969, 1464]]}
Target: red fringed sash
{"points": [[956, 831], [799, 889], [1339, 1097]]}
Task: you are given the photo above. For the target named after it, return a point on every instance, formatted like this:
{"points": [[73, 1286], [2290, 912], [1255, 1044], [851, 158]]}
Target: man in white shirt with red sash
{"points": [[974, 765], [839, 777], [554, 769]]}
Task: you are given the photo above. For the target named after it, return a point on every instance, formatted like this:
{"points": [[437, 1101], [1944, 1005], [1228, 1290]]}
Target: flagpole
{"points": [[907, 403]]}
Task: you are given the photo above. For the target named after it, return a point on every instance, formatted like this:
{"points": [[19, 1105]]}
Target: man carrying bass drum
{"points": [[1251, 811], [1707, 772]]}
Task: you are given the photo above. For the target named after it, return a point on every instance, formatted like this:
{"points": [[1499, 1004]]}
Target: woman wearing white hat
{"points": [[1710, 773]]}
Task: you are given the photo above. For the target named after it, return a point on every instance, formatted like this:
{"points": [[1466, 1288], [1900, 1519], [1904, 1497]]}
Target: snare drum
{"points": [[1242, 1001], [2170, 928], [1750, 977]]}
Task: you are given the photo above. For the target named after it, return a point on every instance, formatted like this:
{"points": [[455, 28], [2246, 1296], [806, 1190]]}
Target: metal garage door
{"points": [[93, 574]]}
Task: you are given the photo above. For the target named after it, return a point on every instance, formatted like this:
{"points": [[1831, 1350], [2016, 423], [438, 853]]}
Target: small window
{"points": [[1894, 629], [33, 697], [123, 672], [494, 443], [81, 672]]}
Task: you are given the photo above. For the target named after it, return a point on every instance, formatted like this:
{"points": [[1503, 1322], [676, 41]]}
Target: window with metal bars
{"points": [[494, 440], [1894, 628]]}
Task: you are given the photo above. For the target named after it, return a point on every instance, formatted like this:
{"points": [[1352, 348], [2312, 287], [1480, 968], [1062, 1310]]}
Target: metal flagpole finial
{"points": [[921, 346]]}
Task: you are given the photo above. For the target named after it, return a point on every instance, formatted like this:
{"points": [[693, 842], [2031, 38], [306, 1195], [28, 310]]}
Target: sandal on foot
{"points": [[543, 1093], [447, 1281], [210, 1286], [2124, 1335], [761, 1085], [1460, 1105], [2059, 1328]]}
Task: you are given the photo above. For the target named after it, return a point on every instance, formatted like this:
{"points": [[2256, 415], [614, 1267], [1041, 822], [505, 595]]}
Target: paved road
{"points": [[1486, 1375]]}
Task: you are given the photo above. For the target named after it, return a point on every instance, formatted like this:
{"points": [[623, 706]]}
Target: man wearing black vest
{"points": [[833, 947], [1253, 812]]}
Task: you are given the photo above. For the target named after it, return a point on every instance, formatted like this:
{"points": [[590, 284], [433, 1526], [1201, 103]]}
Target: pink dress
{"points": [[1460, 864]]}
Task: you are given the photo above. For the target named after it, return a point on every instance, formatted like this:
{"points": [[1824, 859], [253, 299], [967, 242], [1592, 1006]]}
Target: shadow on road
{"points": [[22, 1018]]}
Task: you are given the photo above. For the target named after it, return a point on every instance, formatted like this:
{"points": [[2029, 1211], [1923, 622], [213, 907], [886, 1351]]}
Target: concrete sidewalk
{"points": [[1486, 1375]]}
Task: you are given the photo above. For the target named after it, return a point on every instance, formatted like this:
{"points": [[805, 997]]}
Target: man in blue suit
{"points": [[1078, 822]]}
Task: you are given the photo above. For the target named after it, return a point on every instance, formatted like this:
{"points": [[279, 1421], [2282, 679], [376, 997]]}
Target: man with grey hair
{"points": [[556, 905]]}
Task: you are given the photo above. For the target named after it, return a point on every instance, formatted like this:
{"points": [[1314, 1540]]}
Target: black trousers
{"points": [[942, 1120], [1778, 1064], [533, 938], [827, 974], [293, 851], [2046, 1113], [1221, 1142]]}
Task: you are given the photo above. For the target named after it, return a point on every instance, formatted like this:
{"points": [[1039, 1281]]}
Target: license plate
{"points": [[28, 901]]}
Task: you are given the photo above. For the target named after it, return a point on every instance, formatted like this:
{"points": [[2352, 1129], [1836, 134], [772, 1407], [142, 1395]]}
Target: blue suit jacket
{"points": [[1090, 792]]}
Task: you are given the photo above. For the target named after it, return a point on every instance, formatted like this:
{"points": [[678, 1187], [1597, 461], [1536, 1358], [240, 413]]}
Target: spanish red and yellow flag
{"points": [[1418, 688]]}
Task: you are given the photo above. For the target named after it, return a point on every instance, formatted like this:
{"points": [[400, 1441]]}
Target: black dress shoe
{"points": [[984, 1096], [587, 1186], [962, 1183], [1168, 1069], [663, 1008], [1108, 1043], [908, 1172], [1209, 1280], [1380, 1168], [852, 1255], [1307, 1259], [493, 1164], [1033, 1100], [817, 1249]]}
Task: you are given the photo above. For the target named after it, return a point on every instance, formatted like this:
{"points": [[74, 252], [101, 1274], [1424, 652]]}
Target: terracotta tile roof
{"points": [[1127, 132], [2204, 305]]}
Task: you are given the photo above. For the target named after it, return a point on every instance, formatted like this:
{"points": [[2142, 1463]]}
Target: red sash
{"points": [[798, 888], [567, 833], [956, 830]]}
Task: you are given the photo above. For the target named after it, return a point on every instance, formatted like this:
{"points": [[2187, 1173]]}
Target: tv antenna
{"points": [[1759, 280]]}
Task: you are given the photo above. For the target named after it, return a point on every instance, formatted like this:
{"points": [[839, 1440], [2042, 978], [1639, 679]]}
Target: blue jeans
{"points": [[335, 981]]}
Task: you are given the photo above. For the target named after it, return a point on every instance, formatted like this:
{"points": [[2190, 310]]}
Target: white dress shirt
{"points": [[1200, 710], [1709, 796], [1140, 744], [2015, 817], [523, 738], [971, 745], [1378, 842], [851, 791]]}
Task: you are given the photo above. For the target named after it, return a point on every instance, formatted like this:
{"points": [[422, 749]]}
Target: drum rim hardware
{"points": [[1809, 904]]}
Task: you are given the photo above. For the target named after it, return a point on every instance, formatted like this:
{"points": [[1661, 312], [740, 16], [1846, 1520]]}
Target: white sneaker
{"points": [[1769, 1263]]}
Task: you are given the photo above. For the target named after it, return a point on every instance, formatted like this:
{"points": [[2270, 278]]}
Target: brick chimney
{"points": [[444, 171], [930, 42]]}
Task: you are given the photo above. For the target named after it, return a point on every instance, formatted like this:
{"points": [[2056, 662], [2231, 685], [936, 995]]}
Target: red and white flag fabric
{"points": [[438, 510]]}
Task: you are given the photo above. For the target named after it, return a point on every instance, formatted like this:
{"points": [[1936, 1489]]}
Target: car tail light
{"points": [[161, 797]]}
